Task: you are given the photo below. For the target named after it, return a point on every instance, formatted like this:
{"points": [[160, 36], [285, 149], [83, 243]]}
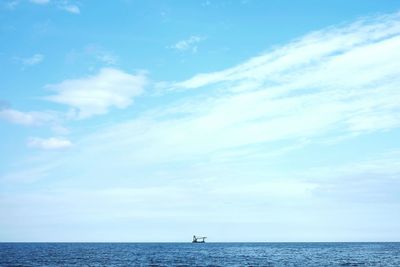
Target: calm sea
{"points": [[208, 254]]}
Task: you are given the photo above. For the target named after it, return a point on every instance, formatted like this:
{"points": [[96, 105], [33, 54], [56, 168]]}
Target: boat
{"points": [[199, 239]]}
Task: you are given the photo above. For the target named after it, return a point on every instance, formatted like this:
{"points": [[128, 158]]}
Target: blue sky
{"points": [[240, 120]]}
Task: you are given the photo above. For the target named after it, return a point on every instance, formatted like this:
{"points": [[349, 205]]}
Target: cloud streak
{"points": [[40, 2], [96, 94], [73, 9], [324, 87], [50, 143], [31, 118], [189, 44], [31, 61], [327, 85]]}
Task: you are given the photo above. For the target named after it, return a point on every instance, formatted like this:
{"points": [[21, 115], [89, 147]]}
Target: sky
{"points": [[245, 120]]}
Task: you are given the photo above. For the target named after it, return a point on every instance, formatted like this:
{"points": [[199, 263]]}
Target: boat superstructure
{"points": [[199, 239]]}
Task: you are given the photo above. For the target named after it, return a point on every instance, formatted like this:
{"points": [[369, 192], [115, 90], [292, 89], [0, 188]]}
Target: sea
{"points": [[207, 254]]}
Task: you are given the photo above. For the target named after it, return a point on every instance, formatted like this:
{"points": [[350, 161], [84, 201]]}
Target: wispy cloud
{"points": [[69, 6], [31, 61], [71, 9], [101, 54], [50, 143], [189, 44], [31, 118], [64, 5], [323, 86], [40, 2], [96, 94], [311, 52], [328, 84], [11, 5], [93, 55]]}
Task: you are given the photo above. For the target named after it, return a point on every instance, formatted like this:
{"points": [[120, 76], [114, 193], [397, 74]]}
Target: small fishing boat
{"points": [[199, 239]]}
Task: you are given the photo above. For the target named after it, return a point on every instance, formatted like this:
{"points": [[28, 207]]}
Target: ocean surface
{"points": [[207, 254]]}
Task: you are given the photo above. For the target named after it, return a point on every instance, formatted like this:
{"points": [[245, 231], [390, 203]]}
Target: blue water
{"points": [[208, 254]]}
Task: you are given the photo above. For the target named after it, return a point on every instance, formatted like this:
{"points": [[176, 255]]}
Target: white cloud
{"points": [[96, 94], [25, 176], [188, 44], [312, 52], [74, 9], [40, 2], [107, 58], [31, 61], [65, 5], [30, 118], [92, 55], [331, 83], [11, 4], [50, 143], [101, 54]]}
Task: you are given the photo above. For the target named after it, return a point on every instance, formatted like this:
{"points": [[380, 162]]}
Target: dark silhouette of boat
{"points": [[199, 239]]}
